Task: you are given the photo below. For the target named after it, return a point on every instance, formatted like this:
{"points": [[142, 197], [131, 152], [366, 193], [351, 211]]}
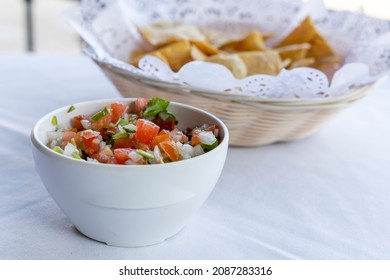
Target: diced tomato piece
{"points": [[178, 135], [122, 155], [103, 122], [105, 155], [146, 131], [91, 141], [160, 138], [169, 147], [68, 135], [163, 131], [195, 138], [118, 109], [140, 105], [125, 143], [76, 122]]}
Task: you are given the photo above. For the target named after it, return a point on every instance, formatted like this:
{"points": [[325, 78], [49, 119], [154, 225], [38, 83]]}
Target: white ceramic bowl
{"points": [[124, 205]]}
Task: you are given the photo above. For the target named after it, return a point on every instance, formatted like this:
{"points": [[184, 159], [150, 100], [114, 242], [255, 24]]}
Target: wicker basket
{"points": [[250, 122]]}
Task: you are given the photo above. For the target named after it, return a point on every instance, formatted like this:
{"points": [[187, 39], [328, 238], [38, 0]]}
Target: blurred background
{"points": [[36, 25]]}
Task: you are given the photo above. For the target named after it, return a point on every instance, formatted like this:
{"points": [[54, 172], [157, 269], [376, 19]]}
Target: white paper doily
{"points": [[109, 27]]}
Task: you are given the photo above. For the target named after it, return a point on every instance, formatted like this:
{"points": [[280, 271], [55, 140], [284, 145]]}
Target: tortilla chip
{"points": [[319, 48], [137, 55], [252, 42], [306, 32], [206, 47], [294, 52], [231, 61], [177, 44], [215, 37], [176, 54], [267, 36], [161, 34], [268, 62], [305, 62], [286, 63], [160, 56], [197, 54]]}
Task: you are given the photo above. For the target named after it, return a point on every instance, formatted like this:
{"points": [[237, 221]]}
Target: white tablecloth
{"points": [[324, 197]]}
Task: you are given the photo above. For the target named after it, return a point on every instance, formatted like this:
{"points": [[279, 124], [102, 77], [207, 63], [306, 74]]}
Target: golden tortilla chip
{"points": [[160, 56], [232, 62], [268, 62], [177, 44], [206, 47], [197, 54], [252, 42], [161, 34], [137, 55], [305, 62], [267, 36], [176, 54], [215, 37], [306, 32], [286, 63], [294, 52]]}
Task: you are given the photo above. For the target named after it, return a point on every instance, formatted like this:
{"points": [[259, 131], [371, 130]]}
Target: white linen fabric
{"points": [[323, 197]]}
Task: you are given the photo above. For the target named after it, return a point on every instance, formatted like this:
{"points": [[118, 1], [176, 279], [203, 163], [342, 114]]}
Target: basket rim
{"points": [[252, 101]]}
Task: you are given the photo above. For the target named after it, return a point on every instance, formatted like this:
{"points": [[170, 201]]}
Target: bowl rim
{"points": [[43, 148]]}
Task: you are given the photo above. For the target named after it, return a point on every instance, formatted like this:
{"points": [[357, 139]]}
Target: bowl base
{"points": [[129, 243]]}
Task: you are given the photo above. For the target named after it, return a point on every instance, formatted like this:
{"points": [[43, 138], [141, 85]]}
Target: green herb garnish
{"points": [[129, 128], [100, 114], [122, 122], [145, 154], [154, 107], [82, 146], [120, 136], [73, 141], [71, 108], [54, 120], [166, 116], [76, 155], [58, 149], [210, 147]]}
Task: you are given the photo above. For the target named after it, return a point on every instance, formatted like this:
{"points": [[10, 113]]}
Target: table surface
{"points": [[323, 197]]}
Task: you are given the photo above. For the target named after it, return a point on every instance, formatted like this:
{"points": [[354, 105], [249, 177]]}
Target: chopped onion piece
{"points": [[70, 149], [157, 155], [135, 156], [130, 162], [207, 137], [186, 151], [198, 150], [102, 145], [62, 127], [178, 136], [129, 128], [86, 124], [55, 138]]}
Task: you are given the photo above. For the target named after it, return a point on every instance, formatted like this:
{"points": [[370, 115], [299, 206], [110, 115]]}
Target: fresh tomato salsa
{"points": [[149, 135]]}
